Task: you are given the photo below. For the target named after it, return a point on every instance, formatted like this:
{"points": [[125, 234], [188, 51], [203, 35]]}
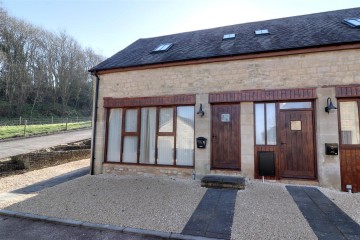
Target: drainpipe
{"points": [[92, 162]]}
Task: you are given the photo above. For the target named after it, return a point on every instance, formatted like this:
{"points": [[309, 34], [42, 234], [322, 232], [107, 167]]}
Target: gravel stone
{"points": [[262, 210], [154, 203], [10, 183], [267, 211]]}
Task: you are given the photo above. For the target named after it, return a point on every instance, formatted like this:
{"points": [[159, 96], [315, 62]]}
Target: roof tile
{"points": [[313, 30]]}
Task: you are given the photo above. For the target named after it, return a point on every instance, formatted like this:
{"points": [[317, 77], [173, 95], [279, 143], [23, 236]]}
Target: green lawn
{"points": [[17, 131]]}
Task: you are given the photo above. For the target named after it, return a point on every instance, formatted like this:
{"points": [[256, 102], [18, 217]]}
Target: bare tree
{"points": [[37, 65]]}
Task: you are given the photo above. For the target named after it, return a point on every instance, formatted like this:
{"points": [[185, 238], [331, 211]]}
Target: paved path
{"points": [[324, 217], [21, 146], [213, 216], [37, 230]]}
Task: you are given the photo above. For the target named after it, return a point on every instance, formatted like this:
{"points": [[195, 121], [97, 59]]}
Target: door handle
{"points": [[282, 143]]}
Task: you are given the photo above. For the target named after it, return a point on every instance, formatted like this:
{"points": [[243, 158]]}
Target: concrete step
{"points": [[222, 181]]}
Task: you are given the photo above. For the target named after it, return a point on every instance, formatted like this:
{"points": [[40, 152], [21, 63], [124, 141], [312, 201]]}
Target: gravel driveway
{"points": [[262, 211]]}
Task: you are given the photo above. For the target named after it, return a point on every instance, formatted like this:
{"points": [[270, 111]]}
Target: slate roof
{"points": [[313, 30]]}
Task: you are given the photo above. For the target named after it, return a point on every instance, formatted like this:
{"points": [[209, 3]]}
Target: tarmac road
{"points": [[37, 230], [26, 145]]}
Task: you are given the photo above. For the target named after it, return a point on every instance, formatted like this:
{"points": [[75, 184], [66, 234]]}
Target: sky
{"points": [[108, 26]]}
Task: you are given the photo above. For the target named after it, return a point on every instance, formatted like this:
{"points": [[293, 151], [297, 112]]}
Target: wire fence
{"points": [[16, 127], [40, 121]]}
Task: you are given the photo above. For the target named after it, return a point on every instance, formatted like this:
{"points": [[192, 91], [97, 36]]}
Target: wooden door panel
{"points": [[225, 136], [297, 144], [350, 168]]}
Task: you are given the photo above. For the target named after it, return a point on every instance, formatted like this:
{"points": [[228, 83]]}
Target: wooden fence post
{"points": [[67, 119], [25, 127], [20, 121]]}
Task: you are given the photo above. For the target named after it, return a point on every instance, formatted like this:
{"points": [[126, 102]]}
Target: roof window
{"points": [[262, 32], [229, 36], [163, 47], [353, 22]]}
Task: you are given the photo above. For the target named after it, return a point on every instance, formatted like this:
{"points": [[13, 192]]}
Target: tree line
{"points": [[40, 67]]}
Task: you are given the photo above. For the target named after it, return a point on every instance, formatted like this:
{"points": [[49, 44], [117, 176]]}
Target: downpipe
{"points": [[92, 162]]}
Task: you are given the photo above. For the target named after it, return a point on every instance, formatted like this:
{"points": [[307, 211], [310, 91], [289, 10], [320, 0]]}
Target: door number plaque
{"points": [[225, 117], [295, 125]]}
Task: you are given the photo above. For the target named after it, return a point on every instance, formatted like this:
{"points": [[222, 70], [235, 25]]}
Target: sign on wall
{"points": [[225, 117]]}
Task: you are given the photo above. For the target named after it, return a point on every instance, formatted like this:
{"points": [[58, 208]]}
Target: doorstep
{"points": [[222, 181]]}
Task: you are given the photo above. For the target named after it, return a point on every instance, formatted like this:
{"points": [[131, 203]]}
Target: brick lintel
{"points": [[263, 95], [188, 99], [347, 91]]}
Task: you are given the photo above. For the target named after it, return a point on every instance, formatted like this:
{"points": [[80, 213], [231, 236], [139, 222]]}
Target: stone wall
{"points": [[37, 160], [319, 70], [147, 170]]}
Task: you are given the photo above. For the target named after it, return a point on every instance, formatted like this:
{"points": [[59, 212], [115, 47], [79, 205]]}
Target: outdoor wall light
{"points": [[200, 112], [329, 105]]}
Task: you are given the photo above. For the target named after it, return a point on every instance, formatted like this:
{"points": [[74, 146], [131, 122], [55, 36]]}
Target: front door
{"points": [[225, 136], [297, 158]]}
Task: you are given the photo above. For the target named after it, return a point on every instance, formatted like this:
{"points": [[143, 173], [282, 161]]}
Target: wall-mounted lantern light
{"points": [[200, 112], [329, 105]]}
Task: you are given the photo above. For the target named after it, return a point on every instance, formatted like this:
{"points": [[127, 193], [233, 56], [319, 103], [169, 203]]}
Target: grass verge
{"points": [[18, 131]]}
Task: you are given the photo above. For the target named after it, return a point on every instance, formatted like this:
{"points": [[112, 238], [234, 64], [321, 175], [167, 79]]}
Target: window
{"points": [[229, 36], [163, 47], [295, 105], [265, 124], [349, 122], [166, 136], [353, 22], [184, 136], [151, 135], [130, 136], [148, 136], [114, 135], [262, 32]]}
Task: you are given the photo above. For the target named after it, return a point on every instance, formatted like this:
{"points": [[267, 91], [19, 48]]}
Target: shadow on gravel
{"points": [[53, 181]]}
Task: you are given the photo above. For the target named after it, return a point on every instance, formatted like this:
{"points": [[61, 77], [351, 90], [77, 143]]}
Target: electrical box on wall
{"points": [[331, 149]]}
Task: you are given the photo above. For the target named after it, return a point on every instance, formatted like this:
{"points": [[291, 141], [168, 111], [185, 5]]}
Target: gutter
{"points": [[92, 162]]}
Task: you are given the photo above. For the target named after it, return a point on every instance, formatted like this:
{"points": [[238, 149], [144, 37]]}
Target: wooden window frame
{"points": [[352, 99], [165, 134], [130, 134], [138, 135], [277, 108]]}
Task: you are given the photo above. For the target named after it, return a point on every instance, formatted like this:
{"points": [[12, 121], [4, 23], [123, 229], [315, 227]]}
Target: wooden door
{"points": [[225, 136], [349, 115], [297, 157]]}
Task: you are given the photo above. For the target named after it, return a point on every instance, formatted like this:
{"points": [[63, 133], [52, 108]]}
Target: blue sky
{"points": [[108, 26]]}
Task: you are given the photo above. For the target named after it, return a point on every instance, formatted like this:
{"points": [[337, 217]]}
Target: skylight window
{"points": [[229, 36], [353, 22], [262, 32], [163, 47]]}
